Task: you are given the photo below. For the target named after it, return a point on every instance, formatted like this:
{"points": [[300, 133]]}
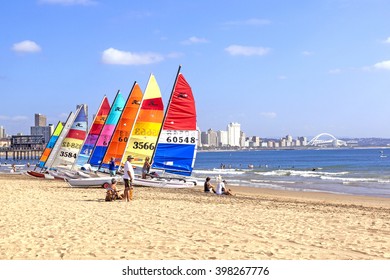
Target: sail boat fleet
{"points": [[136, 126]]}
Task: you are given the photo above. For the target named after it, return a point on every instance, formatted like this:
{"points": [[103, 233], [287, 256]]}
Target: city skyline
{"points": [[276, 68]]}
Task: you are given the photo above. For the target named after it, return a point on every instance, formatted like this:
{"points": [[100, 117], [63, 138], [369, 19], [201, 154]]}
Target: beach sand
{"points": [[47, 220]]}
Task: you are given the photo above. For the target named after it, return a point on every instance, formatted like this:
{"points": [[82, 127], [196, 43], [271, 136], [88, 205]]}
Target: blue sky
{"points": [[276, 67]]}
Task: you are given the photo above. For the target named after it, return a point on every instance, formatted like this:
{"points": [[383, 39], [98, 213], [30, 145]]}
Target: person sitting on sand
{"points": [[208, 187], [221, 188], [112, 191]]}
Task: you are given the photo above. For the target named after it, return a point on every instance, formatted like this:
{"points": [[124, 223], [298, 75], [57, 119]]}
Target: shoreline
{"points": [[47, 220]]}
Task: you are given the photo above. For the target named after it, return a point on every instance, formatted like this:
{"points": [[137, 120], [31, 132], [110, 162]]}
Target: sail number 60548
{"points": [[180, 139]]}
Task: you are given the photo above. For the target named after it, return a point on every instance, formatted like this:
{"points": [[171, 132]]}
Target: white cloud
{"points": [[114, 56], [246, 50], [307, 53], [252, 21], [68, 2], [26, 46], [383, 65], [13, 119], [194, 40], [387, 41], [335, 71], [268, 115]]}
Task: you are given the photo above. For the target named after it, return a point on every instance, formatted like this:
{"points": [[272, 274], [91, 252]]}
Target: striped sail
{"points": [[94, 132], [71, 145], [50, 145], [53, 155], [176, 148], [107, 130], [123, 128], [144, 134]]}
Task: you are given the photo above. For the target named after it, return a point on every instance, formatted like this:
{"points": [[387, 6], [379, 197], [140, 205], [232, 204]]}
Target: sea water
{"points": [[344, 171]]}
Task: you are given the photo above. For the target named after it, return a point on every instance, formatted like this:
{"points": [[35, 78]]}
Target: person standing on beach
{"points": [[145, 168], [112, 167], [128, 177]]}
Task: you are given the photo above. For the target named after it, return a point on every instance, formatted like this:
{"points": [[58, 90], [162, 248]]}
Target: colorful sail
{"points": [[123, 128], [143, 137], [49, 147], [94, 132], [107, 130], [176, 147], [53, 155], [71, 145]]}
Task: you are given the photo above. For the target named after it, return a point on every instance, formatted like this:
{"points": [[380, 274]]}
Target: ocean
{"points": [[342, 171]]}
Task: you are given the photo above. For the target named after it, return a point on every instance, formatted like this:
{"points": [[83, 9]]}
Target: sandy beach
{"points": [[47, 220]]}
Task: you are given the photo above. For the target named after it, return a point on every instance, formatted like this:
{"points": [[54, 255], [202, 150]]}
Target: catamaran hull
{"points": [[36, 174], [91, 182], [164, 183]]}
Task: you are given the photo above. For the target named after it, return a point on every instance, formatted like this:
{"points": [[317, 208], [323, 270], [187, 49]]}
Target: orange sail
{"points": [[143, 137], [123, 128]]}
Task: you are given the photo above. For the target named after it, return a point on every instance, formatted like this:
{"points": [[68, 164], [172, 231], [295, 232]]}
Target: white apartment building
{"points": [[222, 138], [234, 134]]}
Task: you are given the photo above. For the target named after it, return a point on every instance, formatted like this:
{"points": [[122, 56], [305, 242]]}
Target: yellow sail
{"points": [[147, 126]]}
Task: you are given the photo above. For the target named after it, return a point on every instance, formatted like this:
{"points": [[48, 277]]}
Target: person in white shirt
{"points": [[128, 177], [221, 188]]}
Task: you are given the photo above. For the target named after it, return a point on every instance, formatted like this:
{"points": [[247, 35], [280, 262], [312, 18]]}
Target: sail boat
{"points": [[94, 132], [143, 136], [52, 156], [176, 147], [75, 137], [144, 132], [123, 128], [50, 145], [107, 131]]}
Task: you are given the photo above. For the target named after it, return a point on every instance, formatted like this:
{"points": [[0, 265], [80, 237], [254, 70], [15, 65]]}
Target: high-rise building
{"points": [[40, 120], [222, 138], [2, 132], [234, 134]]}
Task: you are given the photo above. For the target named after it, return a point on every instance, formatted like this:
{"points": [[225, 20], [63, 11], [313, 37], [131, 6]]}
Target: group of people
{"points": [[128, 178], [219, 189]]}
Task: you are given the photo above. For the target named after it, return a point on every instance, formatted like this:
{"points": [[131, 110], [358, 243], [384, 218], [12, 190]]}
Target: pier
{"points": [[20, 153]]}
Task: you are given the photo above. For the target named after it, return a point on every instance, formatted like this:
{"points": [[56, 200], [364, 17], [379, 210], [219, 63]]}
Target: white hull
{"points": [[172, 183], [91, 182]]}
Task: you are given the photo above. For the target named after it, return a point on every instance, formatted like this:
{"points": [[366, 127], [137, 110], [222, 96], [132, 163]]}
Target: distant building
{"points": [[27, 142], [234, 134], [222, 138], [212, 135], [40, 120], [43, 131], [2, 132]]}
